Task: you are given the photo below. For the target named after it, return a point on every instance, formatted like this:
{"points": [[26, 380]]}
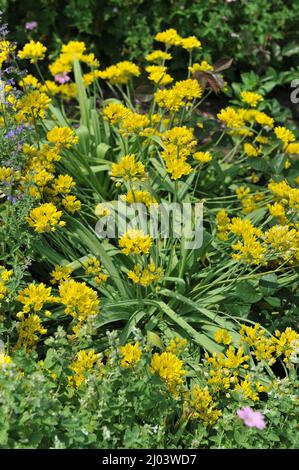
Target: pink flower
{"points": [[252, 419], [31, 25], [61, 77]]}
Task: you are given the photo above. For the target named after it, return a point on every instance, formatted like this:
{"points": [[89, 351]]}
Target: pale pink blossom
{"points": [[31, 25], [251, 418], [61, 77]]}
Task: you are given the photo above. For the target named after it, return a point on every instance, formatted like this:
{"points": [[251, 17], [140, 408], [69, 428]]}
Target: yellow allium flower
{"points": [[145, 276], [45, 218], [63, 184], [177, 346], [158, 56], [128, 169], [251, 98], [50, 88], [120, 73], [29, 81], [89, 78], [6, 174], [287, 344], [131, 354], [293, 148], [139, 196], [284, 134], [71, 204], [179, 95], [169, 368], [202, 157], [158, 74], [170, 37], [223, 224], [263, 119], [33, 298], [115, 112], [93, 267], [251, 151], [135, 241], [133, 123], [80, 300], [68, 90], [4, 361], [62, 137], [83, 363], [28, 329], [34, 51], [6, 47], [190, 43], [230, 117], [223, 337], [60, 273], [204, 66], [32, 106], [202, 406], [277, 210]]}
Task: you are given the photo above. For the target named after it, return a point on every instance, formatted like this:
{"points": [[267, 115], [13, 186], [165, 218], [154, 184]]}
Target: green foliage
{"points": [[123, 408]]}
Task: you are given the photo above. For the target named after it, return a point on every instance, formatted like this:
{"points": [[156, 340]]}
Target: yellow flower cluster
{"points": [[92, 267], [128, 169], [135, 241], [268, 349], [251, 150], [131, 355], [34, 51], [62, 137], [33, 298], [139, 196], [204, 66], [170, 369], [115, 112], [170, 37], [251, 98], [250, 202], [202, 157], [6, 48], [145, 276], [69, 52], [223, 224], [5, 274], [249, 248], [180, 95], [158, 56], [129, 121], [5, 361], [284, 134], [82, 365], [45, 218], [223, 337], [28, 329], [60, 273], [80, 300], [158, 74], [287, 195], [202, 406], [32, 106], [178, 143], [120, 73], [284, 241], [177, 346]]}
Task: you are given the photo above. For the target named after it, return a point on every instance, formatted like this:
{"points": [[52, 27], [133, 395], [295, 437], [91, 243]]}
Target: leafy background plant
{"points": [[256, 34]]}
